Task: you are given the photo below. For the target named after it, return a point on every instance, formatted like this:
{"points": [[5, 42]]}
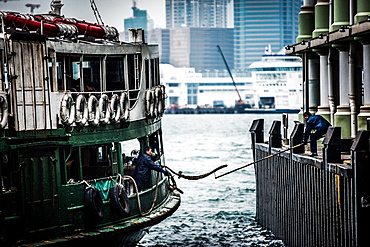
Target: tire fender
{"points": [[119, 201]]}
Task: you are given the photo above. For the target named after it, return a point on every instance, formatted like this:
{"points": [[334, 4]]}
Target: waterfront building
{"points": [[187, 88], [258, 24]]}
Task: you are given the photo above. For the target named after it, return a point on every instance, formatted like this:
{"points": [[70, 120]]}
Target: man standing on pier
{"points": [[318, 123]]}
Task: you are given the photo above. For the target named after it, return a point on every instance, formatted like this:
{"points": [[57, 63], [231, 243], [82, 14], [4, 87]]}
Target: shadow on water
{"points": [[213, 212]]}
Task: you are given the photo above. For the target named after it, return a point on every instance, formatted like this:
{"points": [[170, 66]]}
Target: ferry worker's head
{"points": [[148, 150], [306, 115]]}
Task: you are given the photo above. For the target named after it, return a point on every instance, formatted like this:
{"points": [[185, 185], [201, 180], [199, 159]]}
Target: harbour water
{"points": [[213, 212]]}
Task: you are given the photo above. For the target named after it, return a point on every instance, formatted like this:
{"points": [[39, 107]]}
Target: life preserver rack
{"points": [[155, 101], [56, 26], [88, 110]]}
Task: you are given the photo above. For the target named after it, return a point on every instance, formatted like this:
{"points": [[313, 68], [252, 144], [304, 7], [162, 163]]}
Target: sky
{"points": [[113, 12]]}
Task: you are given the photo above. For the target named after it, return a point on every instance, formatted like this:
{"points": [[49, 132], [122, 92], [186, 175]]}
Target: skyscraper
{"points": [[196, 13], [260, 23]]}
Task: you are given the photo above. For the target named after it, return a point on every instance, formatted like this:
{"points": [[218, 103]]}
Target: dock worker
{"points": [[314, 122], [143, 167]]}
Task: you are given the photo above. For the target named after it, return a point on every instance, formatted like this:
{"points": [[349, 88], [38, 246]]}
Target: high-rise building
{"points": [[196, 13], [260, 24]]}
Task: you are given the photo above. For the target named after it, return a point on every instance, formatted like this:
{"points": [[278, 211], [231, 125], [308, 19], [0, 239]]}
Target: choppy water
{"points": [[213, 212]]}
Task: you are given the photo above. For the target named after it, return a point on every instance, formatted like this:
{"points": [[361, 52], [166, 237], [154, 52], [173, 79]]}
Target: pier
{"points": [[312, 201]]}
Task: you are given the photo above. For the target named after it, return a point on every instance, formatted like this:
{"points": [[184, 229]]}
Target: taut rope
{"points": [[181, 175]]}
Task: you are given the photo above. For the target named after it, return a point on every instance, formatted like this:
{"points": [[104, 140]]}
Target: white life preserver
{"points": [[148, 102], [163, 89], [105, 109], [115, 109], [159, 101], [153, 104], [82, 111], [67, 110], [125, 106], [3, 112], [94, 112]]}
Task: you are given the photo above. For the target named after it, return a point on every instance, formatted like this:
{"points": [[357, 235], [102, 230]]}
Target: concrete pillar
{"points": [[341, 14], [363, 10], [306, 21], [323, 108], [313, 83], [365, 109], [331, 85], [321, 18], [352, 95], [342, 117]]}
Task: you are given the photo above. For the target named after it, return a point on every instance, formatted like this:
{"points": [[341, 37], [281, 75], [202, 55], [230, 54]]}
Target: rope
{"points": [[195, 177], [264, 158]]}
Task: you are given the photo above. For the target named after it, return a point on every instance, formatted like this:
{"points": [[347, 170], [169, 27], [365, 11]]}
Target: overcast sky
{"points": [[112, 11]]}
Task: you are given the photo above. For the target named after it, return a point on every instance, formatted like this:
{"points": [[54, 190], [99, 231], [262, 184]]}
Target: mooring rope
{"points": [[181, 175], [264, 158]]}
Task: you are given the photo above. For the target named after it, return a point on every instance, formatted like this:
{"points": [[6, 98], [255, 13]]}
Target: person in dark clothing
{"points": [[318, 123], [143, 167]]}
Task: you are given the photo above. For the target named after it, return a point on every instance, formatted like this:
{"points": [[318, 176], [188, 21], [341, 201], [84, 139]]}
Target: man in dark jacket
{"points": [[318, 123], [143, 167]]}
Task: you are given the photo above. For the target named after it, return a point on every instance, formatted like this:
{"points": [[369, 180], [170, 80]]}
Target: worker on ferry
{"points": [[143, 167], [314, 122]]}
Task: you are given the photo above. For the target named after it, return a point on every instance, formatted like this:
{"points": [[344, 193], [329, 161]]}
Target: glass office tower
{"points": [[259, 24]]}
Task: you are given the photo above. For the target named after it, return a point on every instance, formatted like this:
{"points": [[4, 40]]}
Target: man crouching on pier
{"points": [[318, 123]]}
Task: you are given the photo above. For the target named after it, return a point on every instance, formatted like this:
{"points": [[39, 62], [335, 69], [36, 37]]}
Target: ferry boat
{"points": [[71, 96]]}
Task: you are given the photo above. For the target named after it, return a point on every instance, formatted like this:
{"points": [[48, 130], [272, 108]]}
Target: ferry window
{"points": [[68, 73], [147, 77], [115, 74], [134, 69], [96, 162], [72, 165], [91, 73]]}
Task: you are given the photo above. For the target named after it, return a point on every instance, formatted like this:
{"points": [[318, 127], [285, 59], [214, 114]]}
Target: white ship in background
{"points": [[272, 84]]}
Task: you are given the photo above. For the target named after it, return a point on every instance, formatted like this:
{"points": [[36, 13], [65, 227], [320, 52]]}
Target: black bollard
{"points": [[275, 135], [256, 134], [296, 138], [332, 145]]}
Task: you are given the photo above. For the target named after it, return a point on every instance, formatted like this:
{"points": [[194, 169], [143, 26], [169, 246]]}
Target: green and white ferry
{"points": [[66, 173]]}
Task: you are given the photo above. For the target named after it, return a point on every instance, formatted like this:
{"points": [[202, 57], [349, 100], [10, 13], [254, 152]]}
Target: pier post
{"points": [[332, 146], [297, 137], [256, 131], [275, 135], [361, 167]]}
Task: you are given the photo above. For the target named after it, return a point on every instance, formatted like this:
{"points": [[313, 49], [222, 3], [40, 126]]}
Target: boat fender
{"points": [[119, 200], [3, 112], [115, 109], [94, 204], [94, 113], [125, 106], [148, 102], [153, 109], [67, 110], [105, 111], [82, 112], [159, 97]]}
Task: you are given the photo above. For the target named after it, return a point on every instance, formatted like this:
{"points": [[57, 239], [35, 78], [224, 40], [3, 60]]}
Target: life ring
{"points": [[159, 97], [67, 110], [120, 201], [94, 204], [163, 89], [115, 109], [148, 102], [153, 108], [125, 106], [82, 111], [105, 111], [3, 112], [94, 113]]}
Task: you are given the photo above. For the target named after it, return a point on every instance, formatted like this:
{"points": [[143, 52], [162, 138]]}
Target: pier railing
{"points": [[313, 201]]}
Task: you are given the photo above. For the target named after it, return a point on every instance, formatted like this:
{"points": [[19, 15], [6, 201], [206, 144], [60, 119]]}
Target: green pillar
{"points": [[321, 18], [363, 10], [306, 23], [341, 14]]}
